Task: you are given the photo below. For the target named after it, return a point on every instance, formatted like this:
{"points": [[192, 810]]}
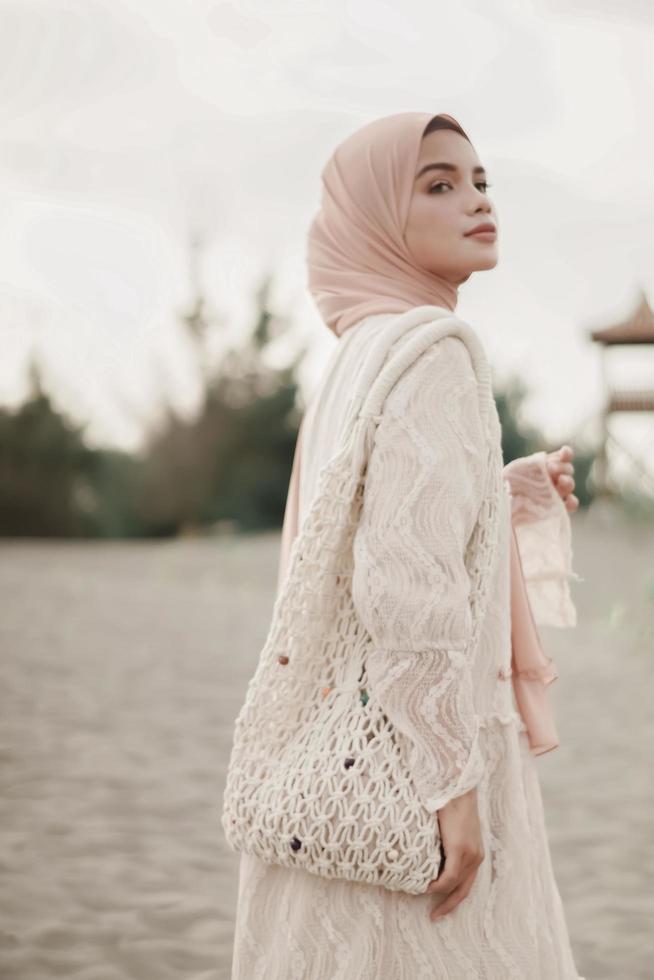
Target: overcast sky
{"points": [[124, 124]]}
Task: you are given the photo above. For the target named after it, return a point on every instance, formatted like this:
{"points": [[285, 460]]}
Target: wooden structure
{"points": [[636, 329]]}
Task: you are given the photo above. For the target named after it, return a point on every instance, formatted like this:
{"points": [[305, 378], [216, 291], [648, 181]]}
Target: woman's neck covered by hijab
{"points": [[358, 261]]}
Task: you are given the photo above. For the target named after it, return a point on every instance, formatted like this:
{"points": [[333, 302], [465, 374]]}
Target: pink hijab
{"points": [[358, 261], [359, 265]]}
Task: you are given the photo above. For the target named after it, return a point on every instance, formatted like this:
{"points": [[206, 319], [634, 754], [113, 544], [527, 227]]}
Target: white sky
{"points": [[122, 124]]}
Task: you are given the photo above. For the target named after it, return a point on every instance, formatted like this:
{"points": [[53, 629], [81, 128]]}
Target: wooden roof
{"points": [[636, 329]]}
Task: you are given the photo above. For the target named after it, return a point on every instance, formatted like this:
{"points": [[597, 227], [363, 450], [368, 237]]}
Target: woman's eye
{"points": [[444, 183]]}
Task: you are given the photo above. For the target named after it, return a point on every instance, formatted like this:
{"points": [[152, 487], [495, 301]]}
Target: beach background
{"points": [[160, 165], [123, 667]]}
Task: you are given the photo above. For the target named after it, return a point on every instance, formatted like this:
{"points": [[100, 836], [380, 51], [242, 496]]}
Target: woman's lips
{"points": [[489, 235]]}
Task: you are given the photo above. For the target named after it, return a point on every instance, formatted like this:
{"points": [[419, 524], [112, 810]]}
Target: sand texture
{"points": [[123, 666]]}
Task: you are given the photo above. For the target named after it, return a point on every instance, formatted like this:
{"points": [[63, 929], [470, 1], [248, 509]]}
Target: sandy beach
{"points": [[123, 667]]}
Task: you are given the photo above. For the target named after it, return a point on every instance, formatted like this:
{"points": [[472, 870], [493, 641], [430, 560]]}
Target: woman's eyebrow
{"points": [[446, 166]]}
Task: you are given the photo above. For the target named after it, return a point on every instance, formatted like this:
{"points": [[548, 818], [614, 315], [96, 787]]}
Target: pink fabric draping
{"points": [[531, 670], [358, 260]]}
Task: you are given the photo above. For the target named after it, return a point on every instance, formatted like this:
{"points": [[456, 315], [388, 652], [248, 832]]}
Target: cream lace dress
{"points": [[410, 590]]}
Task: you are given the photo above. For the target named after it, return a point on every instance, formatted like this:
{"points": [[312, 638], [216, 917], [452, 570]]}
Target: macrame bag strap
{"points": [[385, 375], [380, 373]]}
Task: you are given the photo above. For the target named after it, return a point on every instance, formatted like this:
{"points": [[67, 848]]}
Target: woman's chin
{"points": [[484, 260]]}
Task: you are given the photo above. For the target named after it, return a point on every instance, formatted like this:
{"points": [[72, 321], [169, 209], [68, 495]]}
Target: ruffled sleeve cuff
{"points": [[544, 535]]}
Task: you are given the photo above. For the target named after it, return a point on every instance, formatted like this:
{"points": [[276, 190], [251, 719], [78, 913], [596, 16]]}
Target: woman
{"points": [[402, 199]]}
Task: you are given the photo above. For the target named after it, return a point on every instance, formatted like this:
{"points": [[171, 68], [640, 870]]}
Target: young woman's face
{"points": [[445, 206]]}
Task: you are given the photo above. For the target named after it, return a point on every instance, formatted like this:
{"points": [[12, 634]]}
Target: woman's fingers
{"points": [[563, 455], [455, 882], [571, 503], [561, 471], [454, 897], [460, 862], [566, 484], [565, 488], [451, 876]]}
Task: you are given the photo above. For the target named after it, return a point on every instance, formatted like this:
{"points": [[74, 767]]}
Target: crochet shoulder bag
{"points": [[317, 777]]}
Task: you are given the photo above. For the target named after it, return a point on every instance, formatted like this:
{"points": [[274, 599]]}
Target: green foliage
{"points": [[116, 478], [52, 484], [45, 469], [252, 470], [232, 462], [228, 466], [517, 437]]}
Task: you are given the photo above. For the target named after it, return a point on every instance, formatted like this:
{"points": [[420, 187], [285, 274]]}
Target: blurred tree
{"points": [[231, 464], [116, 480], [252, 466], [45, 469], [518, 437]]}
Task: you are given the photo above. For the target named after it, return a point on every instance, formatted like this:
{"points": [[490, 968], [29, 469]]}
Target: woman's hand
{"points": [[460, 834], [560, 467]]}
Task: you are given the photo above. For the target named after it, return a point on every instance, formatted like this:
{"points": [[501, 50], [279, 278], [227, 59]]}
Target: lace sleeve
{"points": [[410, 585], [544, 536]]}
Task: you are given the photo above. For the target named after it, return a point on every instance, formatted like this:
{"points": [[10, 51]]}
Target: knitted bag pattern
{"points": [[318, 775]]}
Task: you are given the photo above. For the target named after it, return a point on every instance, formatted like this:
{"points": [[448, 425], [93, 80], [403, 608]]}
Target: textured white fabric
{"points": [[542, 528], [319, 776], [410, 585], [411, 593]]}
